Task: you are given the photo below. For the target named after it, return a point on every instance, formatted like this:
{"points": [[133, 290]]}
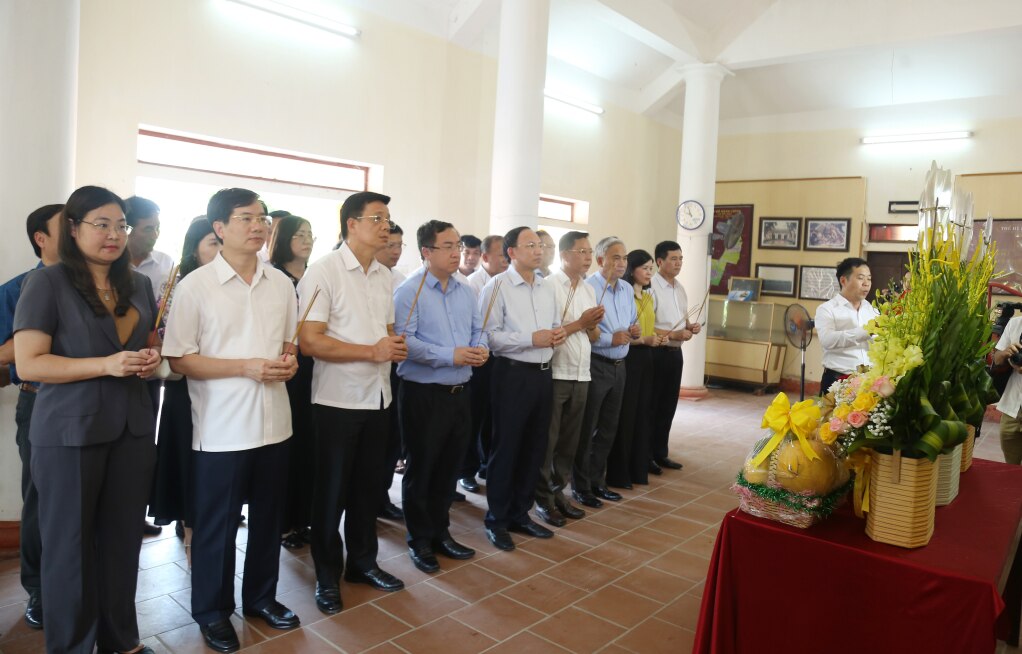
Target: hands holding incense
{"points": [[266, 371], [390, 348], [142, 363], [549, 337], [471, 356]]}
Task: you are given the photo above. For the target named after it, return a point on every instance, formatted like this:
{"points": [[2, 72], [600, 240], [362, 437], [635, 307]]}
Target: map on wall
{"points": [[732, 245]]}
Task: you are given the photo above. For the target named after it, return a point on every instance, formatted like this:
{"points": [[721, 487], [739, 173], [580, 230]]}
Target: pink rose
{"points": [[854, 382], [857, 418], [837, 425], [883, 387]]}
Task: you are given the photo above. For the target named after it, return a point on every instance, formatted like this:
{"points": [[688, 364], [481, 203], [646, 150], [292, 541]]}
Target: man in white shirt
{"points": [[144, 217], [523, 328], [230, 335], [493, 262], [1010, 404], [840, 323], [671, 307], [472, 250], [570, 365], [549, 252], [350, 334]]}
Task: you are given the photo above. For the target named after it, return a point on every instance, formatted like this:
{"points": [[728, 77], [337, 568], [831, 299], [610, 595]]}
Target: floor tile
{"points": [[301, 641], [619, 518], [471, 582], [444, 636], [160, 580], [654, 584], [683, 564], [655, 636], [521, 565], [555, 549], [160, 614], [577, 631], [545, 594], [696, 512], [360, 628], [676, 526], [620, 606], [683, 612], [618, 555], [527, 643], [498, 617], [420, 604], [188, 639], [584, 573], [655, 542]]}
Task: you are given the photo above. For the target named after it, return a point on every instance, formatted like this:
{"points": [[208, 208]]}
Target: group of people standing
{"points": [[530, 378]]}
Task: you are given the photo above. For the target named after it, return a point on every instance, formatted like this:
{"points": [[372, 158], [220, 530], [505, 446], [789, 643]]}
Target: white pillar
{"points": [[698, 179], [518, 120], [38, 74]]}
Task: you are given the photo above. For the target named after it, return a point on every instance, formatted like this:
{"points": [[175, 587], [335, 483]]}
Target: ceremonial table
{"points": [[830, 588]]}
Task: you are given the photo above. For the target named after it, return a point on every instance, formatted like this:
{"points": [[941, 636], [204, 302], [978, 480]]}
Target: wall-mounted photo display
{"points": [[778, 279], [818, 283], [731, 244], [828, 234], [744, 289], [780, 233]]}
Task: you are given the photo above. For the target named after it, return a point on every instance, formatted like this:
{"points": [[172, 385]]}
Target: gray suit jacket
{"points": [[96, 410]]}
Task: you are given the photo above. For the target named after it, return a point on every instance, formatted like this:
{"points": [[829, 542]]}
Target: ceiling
{"points": [[791, 59]]}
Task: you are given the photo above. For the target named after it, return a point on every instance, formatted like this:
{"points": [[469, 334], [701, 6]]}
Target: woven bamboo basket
{"points": [[968, 446], [901, 500], [949, 472]]}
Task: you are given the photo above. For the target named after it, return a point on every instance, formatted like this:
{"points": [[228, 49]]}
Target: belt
{"points": [[667, 349], [450, 390], [613, 362], [527, 364], [28, 388]]}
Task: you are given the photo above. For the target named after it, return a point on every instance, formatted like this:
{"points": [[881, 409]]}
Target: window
{"points": [[555, 212]]}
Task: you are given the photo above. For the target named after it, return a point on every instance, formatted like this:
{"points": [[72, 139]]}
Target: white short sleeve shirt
{"points": [[1011, 400], [572, 358], [671, 306]]}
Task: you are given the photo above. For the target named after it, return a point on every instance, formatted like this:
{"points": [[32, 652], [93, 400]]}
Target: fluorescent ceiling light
{"points": [[578, 104], [906, 138], [301, 16]]}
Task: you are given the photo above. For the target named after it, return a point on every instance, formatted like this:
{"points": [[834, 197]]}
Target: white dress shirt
{"points": [[464, 280], [356, 306], [519, 310], [1011, 399], [397, 277], [843, 338], [478, 279], [216, 314], [571, 359], [156, 267], [671, 306]]}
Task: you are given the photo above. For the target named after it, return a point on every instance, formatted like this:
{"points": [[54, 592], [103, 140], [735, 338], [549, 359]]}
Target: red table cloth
{"points": [[830, 588]]}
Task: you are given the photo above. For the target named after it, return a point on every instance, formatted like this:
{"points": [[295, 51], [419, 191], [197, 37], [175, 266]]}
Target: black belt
{"points": [[450, 390], [29, 388], [613, 362], [527, 364], [667, 349]]}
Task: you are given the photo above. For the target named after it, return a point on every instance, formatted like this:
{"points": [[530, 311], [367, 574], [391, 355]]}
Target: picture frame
{"points": [[780, 233], [778, 279], [818, 283], [827, 234], [744, 289], [730, 245]]}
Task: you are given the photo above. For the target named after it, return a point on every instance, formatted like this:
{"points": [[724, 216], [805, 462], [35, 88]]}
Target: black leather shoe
{"points": [[531, 528], [376, 578], [292, 541], [391, 511], [220, 636], [500, 538], [149, 529], [424, 559], [452, 549], [654, 468], [550, 515], [328, 599], [605, 493], [34, 610], [276, 615], [568, 510], [469, 484], [667, 463], [587, 499]]}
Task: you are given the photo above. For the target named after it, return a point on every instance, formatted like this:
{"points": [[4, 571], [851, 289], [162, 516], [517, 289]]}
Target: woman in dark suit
{"points": [[81, 329]]}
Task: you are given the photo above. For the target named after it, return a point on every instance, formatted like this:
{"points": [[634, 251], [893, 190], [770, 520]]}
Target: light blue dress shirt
{"points": [[620, 314], [519, 310], [441, 322]]}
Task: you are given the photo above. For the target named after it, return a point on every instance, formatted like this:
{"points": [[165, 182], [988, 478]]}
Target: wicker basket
{"points": [[901, 512], [949, 472], [967, 448]]}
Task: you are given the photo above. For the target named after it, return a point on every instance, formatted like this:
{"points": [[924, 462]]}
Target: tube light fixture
{"points": [[906, 138], [578, 104], [301, 16]]}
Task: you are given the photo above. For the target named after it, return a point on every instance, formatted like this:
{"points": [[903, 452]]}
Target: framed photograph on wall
{"points": [[828, 234], [731, 244], [818, 283], [780, 233], [778, 279], [744, 289]]}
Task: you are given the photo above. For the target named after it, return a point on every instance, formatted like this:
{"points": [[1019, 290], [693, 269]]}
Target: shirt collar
{"points": [[224, 271], [351, 261], [662, 282], [516, 277]]}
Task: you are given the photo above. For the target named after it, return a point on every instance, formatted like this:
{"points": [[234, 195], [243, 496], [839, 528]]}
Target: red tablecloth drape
{"points": [[829, 588]]}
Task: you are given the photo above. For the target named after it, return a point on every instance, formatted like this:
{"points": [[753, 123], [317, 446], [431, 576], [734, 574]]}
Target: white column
{"points": [[38, 75], [698, 179], [518, 120]]}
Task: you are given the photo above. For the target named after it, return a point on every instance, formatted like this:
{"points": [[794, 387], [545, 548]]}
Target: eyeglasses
{"points": [[582, 251], [532, 246], [304, 236], [449, 247], [248, 220], [120, 229], [376, 219]]}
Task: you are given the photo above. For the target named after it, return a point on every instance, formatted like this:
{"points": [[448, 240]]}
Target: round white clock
{"points": [[690, 214]]}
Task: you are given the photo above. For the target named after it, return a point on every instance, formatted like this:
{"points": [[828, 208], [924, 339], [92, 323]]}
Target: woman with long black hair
{"points": [[82, 329]]}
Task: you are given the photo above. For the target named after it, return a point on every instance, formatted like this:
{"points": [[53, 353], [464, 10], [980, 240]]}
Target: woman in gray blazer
{"points": [[81, 329]]}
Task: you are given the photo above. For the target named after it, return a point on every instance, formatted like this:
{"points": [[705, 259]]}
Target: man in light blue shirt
{"points": [[523, 327], [443, 331], [606, 388]]}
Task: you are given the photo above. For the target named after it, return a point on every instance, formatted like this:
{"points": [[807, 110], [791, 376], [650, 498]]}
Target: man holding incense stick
{"points": [[350, 334], [523, 326], [671, 321], [580, 317], [603, 401], [229, 335], [438, 317]]}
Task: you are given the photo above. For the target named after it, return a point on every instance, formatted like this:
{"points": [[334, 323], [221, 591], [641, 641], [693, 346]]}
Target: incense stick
{"points": [[415, 300], [298, 329], [571, 296], [493, 298], [605, 287], [163, 306]]}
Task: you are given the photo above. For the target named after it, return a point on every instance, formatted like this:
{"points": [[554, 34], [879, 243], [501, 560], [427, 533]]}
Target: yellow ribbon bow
{"points": [[802, 419], [860, 464]]}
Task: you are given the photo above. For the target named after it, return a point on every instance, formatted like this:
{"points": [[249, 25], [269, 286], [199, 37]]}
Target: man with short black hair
{"points": [[492, 262], [549, 252], [840, 323], [144, 218], [470, 255]]}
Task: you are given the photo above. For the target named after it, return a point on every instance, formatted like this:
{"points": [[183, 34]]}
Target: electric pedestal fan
{"points": [[799, 328]]}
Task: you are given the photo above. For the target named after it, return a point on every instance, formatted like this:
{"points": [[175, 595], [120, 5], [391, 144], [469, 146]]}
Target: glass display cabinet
{"points": [[745, 341]]}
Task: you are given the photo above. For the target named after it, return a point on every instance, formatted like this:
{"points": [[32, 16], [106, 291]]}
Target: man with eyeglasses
{"points": [[390, 255], [229, 334], [443, 330], [493, 261], [523, 330], [350, 334], [580, 315], [606, 389], [549, 252]]}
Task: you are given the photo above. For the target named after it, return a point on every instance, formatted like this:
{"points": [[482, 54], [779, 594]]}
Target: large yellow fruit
{"points": [[797, 472], [753, 474]]}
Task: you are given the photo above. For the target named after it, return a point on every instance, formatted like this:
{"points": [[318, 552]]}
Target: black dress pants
{"points": [[31, 542], [350, 448], [303, 437], [628, 461], [394, 442], [477, 450], [222, 483], [522, 398], [442, 416], [667, 365]]}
